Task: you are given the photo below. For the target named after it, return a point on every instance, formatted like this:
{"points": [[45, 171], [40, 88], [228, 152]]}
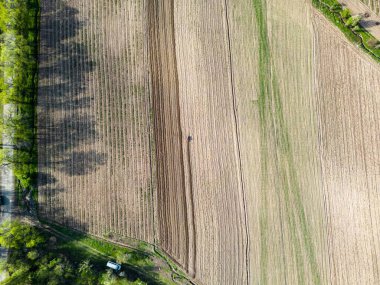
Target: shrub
{"points": [[336, 7], [346, 13], [353, 21], [357, 28]]}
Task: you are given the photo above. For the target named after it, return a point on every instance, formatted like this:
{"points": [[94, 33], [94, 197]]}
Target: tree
{"points": [[109, 278], [353, 21], [18, 73], [18, 236], [346, 13], [33, 255], [336, 7], [87, 274], [53, 271]]}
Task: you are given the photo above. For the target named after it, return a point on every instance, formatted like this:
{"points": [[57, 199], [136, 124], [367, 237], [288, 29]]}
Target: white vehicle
{"points": [[113, 265]]}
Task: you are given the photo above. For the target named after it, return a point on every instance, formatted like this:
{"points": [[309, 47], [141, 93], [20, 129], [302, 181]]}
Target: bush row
{"points": [[38, 257], [18, 86]]}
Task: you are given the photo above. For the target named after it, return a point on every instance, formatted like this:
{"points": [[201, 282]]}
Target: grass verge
{"points": [[46, 253], [146, 263]]}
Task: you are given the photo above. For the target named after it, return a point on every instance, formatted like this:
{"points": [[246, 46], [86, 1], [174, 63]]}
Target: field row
{"points": [[373, 4], [348, 107], [239, 137], [95, 118]]}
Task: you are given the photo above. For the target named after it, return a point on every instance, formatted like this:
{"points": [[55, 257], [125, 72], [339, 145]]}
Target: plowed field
{"points": [[95, 127], [239, 136], [374, 5]]}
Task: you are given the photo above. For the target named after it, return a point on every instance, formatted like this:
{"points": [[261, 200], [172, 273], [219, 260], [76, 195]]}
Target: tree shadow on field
{"points": [[369, 23], [66, 124], [67, 135]]}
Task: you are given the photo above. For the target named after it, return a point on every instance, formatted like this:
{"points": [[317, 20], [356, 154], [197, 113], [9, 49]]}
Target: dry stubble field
{"points": [[279, 182]]}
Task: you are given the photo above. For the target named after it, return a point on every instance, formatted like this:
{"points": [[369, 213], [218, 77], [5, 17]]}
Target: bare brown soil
{"points": [[198, 176], [174, 214]]}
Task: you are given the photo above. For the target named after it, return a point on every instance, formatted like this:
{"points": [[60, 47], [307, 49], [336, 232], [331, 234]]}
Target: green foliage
{"points": [[357, 28], [18, 85], [33, 261], [36, 260], [353, 21], [18, 236], [32, 255], [87, 273], [53, 271], [109, 278], [345, 13], [137, 264], [336, 7]]}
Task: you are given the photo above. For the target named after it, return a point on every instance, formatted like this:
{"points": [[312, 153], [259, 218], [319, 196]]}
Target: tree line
{"points": [[37, 257], [18, 87]]}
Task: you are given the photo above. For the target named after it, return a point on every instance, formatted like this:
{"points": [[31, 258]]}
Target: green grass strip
{"points": [[139, 262], [275, 139]]}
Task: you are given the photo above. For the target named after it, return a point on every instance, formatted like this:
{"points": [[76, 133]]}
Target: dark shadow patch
{"points": [[65, 121]]}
